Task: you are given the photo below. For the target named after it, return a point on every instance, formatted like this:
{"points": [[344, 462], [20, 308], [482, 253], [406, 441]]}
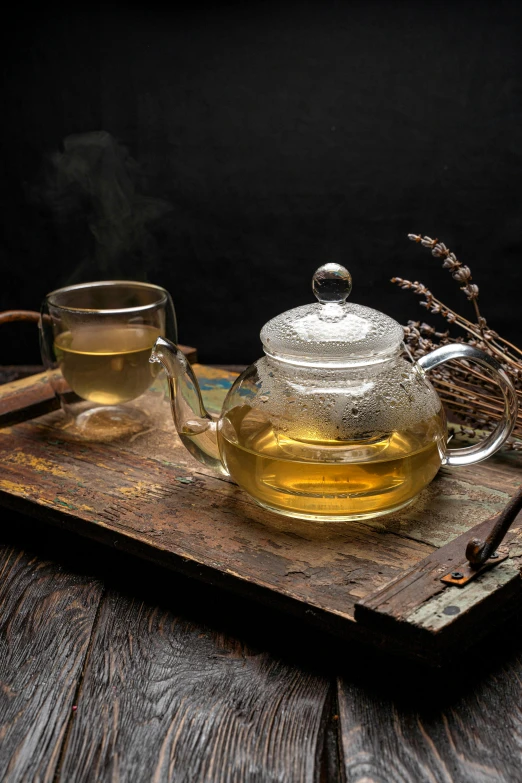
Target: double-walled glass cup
{"points": [[96, 340]]}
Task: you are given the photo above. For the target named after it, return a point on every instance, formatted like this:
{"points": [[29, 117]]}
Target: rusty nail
{"points": [[456, 575]]}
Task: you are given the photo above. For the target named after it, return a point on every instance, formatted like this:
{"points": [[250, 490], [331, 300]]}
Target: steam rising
{"points": [[94, 181]]}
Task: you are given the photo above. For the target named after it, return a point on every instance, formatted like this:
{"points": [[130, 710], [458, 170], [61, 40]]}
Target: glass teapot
{"points": [[334, 422]]}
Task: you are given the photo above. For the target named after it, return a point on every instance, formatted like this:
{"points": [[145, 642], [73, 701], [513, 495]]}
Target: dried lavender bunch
{"points": [[466, 390]]}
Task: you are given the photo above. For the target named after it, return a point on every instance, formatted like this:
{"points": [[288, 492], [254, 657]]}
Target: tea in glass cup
{"points": [[97, 339]]}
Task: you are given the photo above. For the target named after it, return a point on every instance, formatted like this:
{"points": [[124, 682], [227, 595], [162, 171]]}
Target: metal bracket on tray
{"points": [[487, 553]]}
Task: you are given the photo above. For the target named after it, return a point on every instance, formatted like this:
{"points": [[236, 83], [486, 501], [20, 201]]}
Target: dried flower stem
{"points": [[437, 307], [458, 272], [459, 392], [466, 390]]}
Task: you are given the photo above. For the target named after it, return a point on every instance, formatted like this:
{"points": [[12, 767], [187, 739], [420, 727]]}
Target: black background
{"points": [[268, 139]]}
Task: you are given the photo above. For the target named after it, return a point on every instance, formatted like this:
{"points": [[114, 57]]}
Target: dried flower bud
{"points": [[411, 331], [428, 242], [440, 249], [462, 274], [471, 290], [426, 345], [451, 264], [421, 290], [405, 284], [415, 237]]}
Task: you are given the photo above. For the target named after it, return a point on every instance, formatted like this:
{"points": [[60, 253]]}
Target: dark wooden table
{"points": [[112, 669]]}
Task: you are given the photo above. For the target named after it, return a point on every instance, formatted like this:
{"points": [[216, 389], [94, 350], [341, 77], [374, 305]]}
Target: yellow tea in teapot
{"points": [[107, 364], [329, 479], [337, 421]]}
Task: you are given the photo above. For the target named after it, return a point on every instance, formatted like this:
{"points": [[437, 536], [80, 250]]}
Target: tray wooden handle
{"points": [[19, 315]]}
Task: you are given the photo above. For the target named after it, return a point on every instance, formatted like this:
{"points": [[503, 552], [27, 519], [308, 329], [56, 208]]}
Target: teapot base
{"points": [[323, 518]]}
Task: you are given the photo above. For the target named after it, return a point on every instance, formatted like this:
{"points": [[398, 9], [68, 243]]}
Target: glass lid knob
{"points": [[332, 283]]}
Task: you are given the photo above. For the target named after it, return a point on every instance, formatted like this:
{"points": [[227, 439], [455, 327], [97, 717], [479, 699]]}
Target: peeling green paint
{"points": [[64, 503], [442, 610]]}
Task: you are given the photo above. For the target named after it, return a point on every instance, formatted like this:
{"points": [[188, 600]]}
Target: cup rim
{"points": [[111, 311]]}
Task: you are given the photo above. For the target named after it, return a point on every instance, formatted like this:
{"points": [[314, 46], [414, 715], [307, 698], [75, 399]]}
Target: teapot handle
{"points": [[491, 444]]}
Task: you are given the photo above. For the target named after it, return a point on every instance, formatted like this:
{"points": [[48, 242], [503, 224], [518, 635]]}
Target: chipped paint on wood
{"points": [[142, 489], [39, 464], [444, 609], [446, 508], [14, 487], [214, 385], [17, 387]]}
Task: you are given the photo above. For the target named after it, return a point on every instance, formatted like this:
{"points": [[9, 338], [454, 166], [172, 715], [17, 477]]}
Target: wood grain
{"points": [[165, 699], [146, 494], [466, 730], [186, 518], [46, 621]]}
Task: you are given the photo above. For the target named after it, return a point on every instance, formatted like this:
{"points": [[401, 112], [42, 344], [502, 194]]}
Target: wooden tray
{"points": [[377, 581]]}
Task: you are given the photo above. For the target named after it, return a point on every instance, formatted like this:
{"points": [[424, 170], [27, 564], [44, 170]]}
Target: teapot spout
{"points": [[196, 427]]}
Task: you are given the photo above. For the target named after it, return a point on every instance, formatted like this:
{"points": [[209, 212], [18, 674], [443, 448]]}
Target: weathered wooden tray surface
{"points": [[147, 495]]}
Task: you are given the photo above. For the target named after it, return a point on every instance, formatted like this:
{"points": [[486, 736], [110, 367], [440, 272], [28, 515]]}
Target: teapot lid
{"points": [[331, 332]]}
